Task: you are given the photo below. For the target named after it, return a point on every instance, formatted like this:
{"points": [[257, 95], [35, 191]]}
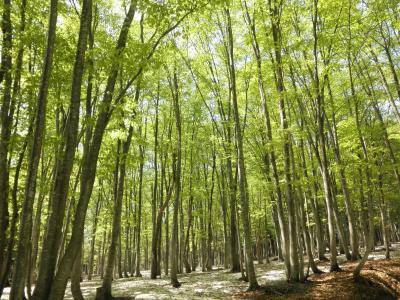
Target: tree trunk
{"points": [[116, 228], [6, 266], [346, 195], [253, 284], [167, 243], [319, 227], [37, 225], [154, 243], [23, 249], [64, 164], [139, 212], [5, 131], [7, 111], [177, 181], [302, 196], [188, 268], [383, 213], [209, 262], [76, 277], [370, 236], [93, 240], [324, 163], [89, 166], [221, 181]]}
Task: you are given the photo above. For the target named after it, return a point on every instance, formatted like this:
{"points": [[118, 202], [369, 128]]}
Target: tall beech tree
{"points": [[21, 266], [65, 162]]}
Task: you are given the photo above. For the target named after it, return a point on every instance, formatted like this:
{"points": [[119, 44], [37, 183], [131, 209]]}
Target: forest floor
{"points": [[381, 280]]}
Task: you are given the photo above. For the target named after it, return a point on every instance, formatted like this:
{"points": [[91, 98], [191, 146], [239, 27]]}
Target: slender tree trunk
{"points": [[103, 252], [295, 273], [182, 235], [76, 277], [6, 267], [343, 180], [177, 181], [253, 284], [221, 181], [319, 228], [188, 268], [104, 292], [158, 226], [319, 94], [37, 225], [7, 111], [167, 243], [338, 219], [6, 123], [127, 254], [93, 240], [161, 214], [235, 264], [302, 215], [283, 230], [194, 248], [24, 246], [119, 256], [154, 243], [383, 213], [209, 262], [139, 212], [370, 236], [89, 166], [64, 163], [232, 183]]}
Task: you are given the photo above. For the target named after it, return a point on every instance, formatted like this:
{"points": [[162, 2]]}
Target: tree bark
{"points": [[24, 246], [76, 277], [5, 132], [93, 240], [384, 218], [116, 228], [209, 262], [89, 167], [6, 266], [188, 268], [324, 164], [177, 180], [9, 115], [343, 180], [64, 164], [154, 242], [253, 284], [139, 212]]}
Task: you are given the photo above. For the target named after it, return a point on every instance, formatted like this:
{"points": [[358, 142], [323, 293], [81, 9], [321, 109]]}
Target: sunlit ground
{"points": [[218, 284]]}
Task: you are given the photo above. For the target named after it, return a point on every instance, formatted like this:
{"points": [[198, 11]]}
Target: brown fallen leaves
{"points": [[380, 280]]}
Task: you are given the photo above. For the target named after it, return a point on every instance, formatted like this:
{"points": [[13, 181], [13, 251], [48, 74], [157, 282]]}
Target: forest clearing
{"points": [[199, 149]]}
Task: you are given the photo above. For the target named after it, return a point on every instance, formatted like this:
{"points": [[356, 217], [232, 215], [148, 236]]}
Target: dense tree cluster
{"points": [[175, 135]]}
